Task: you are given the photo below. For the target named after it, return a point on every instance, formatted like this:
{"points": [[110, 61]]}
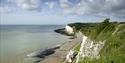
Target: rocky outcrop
{"points": [[89, 49], [69, 29], [41, 54], [71, 56], [65, 31]]}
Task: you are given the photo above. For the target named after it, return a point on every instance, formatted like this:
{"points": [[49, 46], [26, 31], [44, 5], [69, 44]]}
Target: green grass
{"points": [[114, 49], [77, 47]]}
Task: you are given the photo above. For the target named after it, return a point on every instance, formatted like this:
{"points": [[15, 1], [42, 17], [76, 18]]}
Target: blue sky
{"points": [[60, 11]]}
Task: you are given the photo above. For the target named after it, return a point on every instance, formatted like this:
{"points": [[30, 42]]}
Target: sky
{"points": [[60, 11]]}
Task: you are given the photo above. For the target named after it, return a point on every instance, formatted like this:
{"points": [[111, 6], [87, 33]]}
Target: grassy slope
{"points": [[114, 49]]}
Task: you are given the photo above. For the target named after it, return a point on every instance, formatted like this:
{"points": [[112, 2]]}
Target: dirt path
{"points": [[60, 54]]}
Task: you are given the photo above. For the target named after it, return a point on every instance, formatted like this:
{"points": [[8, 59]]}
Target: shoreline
{"points": [[60, 54], [62, 31]]}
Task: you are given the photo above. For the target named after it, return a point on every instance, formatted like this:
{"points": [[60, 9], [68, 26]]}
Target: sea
{"points": [[16, 41]]}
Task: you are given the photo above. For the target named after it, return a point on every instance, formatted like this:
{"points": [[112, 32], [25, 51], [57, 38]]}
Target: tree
{"points": [[102, 25]]}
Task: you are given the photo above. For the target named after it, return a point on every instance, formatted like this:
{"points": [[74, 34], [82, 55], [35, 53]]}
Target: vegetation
{"points": [[113, 33], [77, 47]]}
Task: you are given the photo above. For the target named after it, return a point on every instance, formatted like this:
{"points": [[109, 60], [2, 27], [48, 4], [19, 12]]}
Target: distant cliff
{"points": [[68, 30]]}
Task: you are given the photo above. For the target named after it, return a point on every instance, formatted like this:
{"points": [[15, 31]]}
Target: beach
{"points": [[60, 54]]}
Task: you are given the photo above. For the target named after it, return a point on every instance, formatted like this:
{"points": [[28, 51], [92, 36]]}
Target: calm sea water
{"points": [[18, 40]]}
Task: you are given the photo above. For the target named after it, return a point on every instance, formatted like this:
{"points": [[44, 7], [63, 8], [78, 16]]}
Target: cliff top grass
{"points": [[113, 33]]}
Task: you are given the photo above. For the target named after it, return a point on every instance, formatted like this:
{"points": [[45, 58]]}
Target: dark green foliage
{"points": [[80, 26]]}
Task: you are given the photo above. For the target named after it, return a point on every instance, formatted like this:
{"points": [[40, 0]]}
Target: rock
{"points": [[63, 32], [69, 29], [90, 49], [45, 53], [70, 56], [41, 54]]}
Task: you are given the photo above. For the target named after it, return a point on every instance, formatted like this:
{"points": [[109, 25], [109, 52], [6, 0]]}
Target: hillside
{"points": [[114, 35]]}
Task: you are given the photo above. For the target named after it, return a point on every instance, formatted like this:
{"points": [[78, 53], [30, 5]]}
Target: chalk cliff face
{"points": [[89, 49], [69, 29], [108, 43]]}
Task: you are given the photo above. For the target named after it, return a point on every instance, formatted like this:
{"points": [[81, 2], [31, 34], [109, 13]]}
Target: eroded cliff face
{"points": [[109, 46], [89, 49], [69, 29]]}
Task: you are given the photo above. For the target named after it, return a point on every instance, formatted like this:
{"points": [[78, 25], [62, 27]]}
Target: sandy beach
{"points": [[60, 54]]}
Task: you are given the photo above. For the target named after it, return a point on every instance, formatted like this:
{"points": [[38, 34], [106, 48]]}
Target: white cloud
{"points": [[95, 7], [65, 4], [50, 4], [27, 4], [5, 9]]}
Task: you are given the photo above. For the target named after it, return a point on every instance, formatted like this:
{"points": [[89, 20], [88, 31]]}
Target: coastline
{"points": [[50, 55], [60, 54], [62, 31]]}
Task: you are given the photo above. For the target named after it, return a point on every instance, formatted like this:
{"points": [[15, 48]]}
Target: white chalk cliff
{"points": [[69, 29], [89, 49]]}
